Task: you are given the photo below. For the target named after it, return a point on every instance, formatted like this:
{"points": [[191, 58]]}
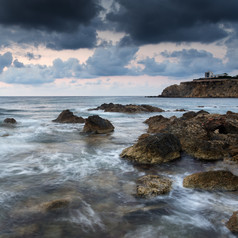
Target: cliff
{"points": [[207, 88]]}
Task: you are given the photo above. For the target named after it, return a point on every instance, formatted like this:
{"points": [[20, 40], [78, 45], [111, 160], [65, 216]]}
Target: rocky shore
{"points": [[207, 88], [201, 135]]}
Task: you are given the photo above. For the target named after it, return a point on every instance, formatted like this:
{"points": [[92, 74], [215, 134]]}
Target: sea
{"points": [[42, 161]]}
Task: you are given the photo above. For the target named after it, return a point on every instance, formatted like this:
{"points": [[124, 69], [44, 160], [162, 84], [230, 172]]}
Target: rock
{"points": [[27, 230], [232, 224], [202, 135], [130, 108], [154, 149], [67, 116], [218, 88], [212, 180], [10, 121], [55, 205], [157, 123], [153, 185], [180, 110], [96, 124]]}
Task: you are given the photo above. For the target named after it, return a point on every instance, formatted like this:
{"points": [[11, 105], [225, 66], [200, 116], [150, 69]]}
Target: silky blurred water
{"points": [[42, 161]]}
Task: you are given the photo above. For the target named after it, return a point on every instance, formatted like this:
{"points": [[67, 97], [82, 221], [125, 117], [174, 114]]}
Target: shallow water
{"points": [[42, 161]]}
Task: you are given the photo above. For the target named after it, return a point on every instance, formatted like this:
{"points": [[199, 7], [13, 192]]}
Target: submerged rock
{"points": [[153, 185], [10, 121], [96, 124], [212, 180], [55, 205], [232, 224], [67, 116], [130, 108], [154, 149]]}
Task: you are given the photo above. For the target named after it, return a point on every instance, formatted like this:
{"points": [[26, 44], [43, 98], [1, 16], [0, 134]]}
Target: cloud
{"points": [[111, 61], [48, 15], [185, 63], [5, 61], [28, 75], [31, 56], [56, 24], [116, 61], [18, 64], [154, 21]]}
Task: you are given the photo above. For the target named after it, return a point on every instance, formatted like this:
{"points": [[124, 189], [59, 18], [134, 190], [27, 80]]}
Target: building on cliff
{"points": [[210, 74]]}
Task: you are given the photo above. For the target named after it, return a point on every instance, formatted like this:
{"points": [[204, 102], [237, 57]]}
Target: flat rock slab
{"points": [[154, 149], [212, 180], [129, 108]]}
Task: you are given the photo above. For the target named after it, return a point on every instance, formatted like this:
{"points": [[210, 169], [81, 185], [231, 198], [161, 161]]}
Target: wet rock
{"points": [[27, 231], [130, 108], [96, 124], [202, 135], [10, 121], [157, 123], [154, 149], [180, 110], [55, 205], [232, 224], [153, 185], [212, 180], [67, 116]]}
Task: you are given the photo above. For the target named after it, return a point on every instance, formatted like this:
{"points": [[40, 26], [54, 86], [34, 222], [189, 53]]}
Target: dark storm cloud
{"points": [[56, 24], [50, 15], [154, 21]]}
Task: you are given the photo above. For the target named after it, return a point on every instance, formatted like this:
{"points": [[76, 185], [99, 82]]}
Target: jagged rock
{"points": [[130, 108], [96, 124], [219, 88], [154, 149], [232, 224], [67, 116], [157, 123], [153, 185], [202, 135], [212, 180], [10, 121]]}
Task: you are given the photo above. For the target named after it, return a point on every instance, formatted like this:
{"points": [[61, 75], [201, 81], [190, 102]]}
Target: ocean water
{"points": [[41, 161]]}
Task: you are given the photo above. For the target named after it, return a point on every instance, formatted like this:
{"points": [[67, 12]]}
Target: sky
{"points": [[113, 47]]}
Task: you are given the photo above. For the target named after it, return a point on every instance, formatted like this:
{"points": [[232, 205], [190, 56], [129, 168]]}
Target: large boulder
{"points": [[232, 224], [153, 185], [212, 180], [98, 125], [202, 135], [154, 149], [130, 108], [10, 121], [67, 116]]}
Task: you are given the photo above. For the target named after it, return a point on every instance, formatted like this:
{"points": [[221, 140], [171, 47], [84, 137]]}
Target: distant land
{"points": [[217, 86]]}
